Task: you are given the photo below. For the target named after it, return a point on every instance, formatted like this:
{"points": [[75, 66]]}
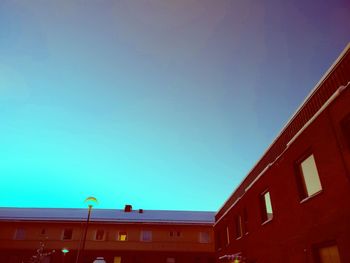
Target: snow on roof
{"points": [[107, 215]]}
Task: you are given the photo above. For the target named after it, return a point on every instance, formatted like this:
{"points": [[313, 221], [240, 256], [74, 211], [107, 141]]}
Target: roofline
{"points": [[115, 222], [308, 97]]}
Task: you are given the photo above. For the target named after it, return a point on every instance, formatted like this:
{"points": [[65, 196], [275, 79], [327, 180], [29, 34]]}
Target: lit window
{"points": [[117, 260], [266, 207], [122, 236], [100, 235], [170, 260], [203, 237], [238, 224], [310, 179], [20, 234], [67, 234], [146, 236], [328, 253]]}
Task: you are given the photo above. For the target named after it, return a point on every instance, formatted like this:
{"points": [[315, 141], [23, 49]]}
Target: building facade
{"points": [[294, 205], [119, 236]]}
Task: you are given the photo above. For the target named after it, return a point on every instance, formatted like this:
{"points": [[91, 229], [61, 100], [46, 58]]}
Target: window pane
{"points": [[203, 237], [100, 234], [227, 236], [266, 207], [310, 175], [20, 234], [238, 226], [117, 260], [122, 236], [67, 234], [146, 235], [329, 254]]}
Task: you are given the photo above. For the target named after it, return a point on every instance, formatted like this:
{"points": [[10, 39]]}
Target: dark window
{"points": [[204, 237], [20, 234], [146, 236], [218, 240], [100, 234], [266, 206], [67, 234], [345, 125], [238, 224], [43, 231], [245, 221]]}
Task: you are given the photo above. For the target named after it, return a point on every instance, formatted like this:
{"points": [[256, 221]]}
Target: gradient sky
{"points": [[158, 103]]}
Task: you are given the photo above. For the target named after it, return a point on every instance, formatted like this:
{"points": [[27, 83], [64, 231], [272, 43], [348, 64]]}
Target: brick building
{"points": [[120, 236], [294, 205]]}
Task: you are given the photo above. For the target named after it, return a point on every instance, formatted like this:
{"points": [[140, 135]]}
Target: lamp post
{"points": [[90, 201], [64, 251]]}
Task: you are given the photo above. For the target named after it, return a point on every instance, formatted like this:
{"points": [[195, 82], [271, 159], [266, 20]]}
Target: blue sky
{"points": [[160, 104]]}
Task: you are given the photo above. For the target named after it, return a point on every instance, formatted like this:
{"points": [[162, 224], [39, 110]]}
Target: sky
{"points": [[160, 104]]}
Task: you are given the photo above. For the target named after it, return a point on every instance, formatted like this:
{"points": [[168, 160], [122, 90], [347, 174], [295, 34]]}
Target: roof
{"points": [[335, 77], [107, 215]]}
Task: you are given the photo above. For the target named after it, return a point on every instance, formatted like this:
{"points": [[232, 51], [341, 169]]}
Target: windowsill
{"points": [[267, 221], [310, 197]]}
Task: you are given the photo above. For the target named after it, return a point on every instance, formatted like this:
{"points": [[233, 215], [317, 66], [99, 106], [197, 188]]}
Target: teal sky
{"points": [[157, 103]]}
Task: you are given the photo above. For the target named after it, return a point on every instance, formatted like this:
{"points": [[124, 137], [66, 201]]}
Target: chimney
{"points": [[140, 211], [127, 208]]}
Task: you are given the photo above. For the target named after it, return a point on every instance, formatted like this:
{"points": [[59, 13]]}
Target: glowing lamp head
{"points": [[91, 201], [65, 250]]}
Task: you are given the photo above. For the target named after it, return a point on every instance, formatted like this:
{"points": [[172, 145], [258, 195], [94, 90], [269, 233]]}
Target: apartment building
{"points": [[294, 205], [119, 236]]}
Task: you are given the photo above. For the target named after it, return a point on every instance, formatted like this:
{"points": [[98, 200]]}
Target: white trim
{"points": [[267, 221], [324, 106], [310, 197]]}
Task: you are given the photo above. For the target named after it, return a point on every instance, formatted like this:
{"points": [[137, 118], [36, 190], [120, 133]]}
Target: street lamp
{"points": [[64, 251], [90, 201]]}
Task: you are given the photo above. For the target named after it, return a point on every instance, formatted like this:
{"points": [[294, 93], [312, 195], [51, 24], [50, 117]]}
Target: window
{"points": [[245, 220], [117, 260], [345, 125], [204, 237], [20, 234], [122, 236], [100, 235], [175, 233], [227, 236], [238, 224], [266, 207], [146, 236], [43, 231], [170, 260], [327, 253], [67, 234], [218, 240], [309, 181]]}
